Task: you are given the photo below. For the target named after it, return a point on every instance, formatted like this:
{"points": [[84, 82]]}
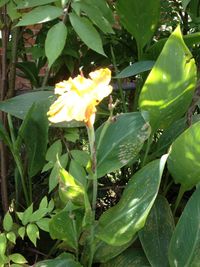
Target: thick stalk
{"points": [[91, 136]]}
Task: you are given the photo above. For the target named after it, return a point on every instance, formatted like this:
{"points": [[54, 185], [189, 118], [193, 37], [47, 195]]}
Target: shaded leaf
{"points": [[185, 242], [136, 68], [157, 232], [119, 224]]}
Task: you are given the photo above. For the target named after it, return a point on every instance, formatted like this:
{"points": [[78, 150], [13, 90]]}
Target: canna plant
{"points": [[157, 144]]}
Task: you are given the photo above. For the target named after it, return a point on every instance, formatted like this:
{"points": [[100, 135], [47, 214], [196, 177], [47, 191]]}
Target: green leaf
{"points": [[3, 2], [33, 3], [7, 222], [87, 32], [104, 252], [185, 242], [139, 18], [190, 40], [65, 226], [38, 214], [95, 15], [136, 68], [33, 233], [130, 258], [53, 178], [82, 157], [78, 172], [169, 135], [11, 237], [43, 224], [64, 260], [119, 224], [169, 88], [70, 188], [40, 14], [21, 232], [54, 151], [55, 42], [157, 232], [17, 258], [3, 244], [19, 106], [49, 165], [12, 12], [35, 136], [183, 161], [119, 141], [25, 216]]}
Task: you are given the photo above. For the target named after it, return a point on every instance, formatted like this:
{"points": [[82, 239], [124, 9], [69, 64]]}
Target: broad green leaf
{"points": [[95, 15], [157, 232], [185, 242], [169, 135], [19, 106], [55, 42], [48, 166], [139, 18], [70, 188], [43, 224], [3, 244], [183, 161], [78, 172], [3, 2], [86, 31], [65, 225], [189, 40], [104, 252], [169, 88], [40, 14], [35, 136], [130, 258], [82, 157], [54, 151], [64, 260], [11, 237], [33, 233], [136, 68], [119, 224], [21, 232], [7, 222], [17, 258], [33, 3], [119, 141]]}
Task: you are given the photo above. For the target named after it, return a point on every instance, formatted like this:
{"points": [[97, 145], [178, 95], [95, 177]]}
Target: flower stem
{"points": [[91, 136]]}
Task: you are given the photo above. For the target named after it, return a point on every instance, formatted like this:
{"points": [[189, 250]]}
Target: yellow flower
{"points": [[79, 97]]}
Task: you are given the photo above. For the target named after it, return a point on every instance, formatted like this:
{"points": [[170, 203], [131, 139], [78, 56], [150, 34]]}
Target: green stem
{"points": [[147, 150], [118, 80], [91, 136], [178, 200]]}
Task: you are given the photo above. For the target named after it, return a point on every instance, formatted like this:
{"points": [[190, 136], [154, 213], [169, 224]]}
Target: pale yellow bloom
{"points": [[79, 97]]}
